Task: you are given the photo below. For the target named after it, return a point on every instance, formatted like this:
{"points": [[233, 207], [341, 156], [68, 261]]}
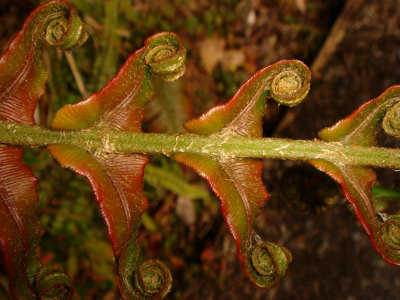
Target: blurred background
{"points": [[353, 49]]}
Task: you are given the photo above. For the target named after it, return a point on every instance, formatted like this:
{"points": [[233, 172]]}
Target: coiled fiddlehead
{"points": [[149, 280], [267, 263], [166, 55], [291, 84], [153, 279], [391, 121], [390, 230], [51, 284], [65, 33]]}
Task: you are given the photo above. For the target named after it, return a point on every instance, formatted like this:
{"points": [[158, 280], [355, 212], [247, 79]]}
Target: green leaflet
{"points": [[238, 181], [360, 129], [117, 179], [22, 83]]}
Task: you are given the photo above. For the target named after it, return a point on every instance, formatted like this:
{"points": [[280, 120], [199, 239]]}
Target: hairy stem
{"points": [[224, 147]]}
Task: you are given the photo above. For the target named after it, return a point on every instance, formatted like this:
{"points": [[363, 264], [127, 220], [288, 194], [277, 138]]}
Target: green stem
{"points": [[223, 147], [385, 193], [160, 177], [149, 223]]}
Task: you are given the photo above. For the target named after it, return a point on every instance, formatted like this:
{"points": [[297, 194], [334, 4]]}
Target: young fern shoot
{"points": [[101, 138], [22, 83]]}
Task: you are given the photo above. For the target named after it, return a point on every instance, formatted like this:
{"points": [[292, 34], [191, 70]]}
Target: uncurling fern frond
{"points": [[22, 83], [101, 138], [360, 128], [116, 179], [238, 181]]}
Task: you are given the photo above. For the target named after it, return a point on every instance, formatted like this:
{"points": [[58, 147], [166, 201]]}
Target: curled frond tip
{"points": [[166, 55], [291, 84], [267, 263], [153, 279]]}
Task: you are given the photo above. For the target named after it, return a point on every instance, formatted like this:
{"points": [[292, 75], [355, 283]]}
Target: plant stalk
{"points": [[219, 146]]}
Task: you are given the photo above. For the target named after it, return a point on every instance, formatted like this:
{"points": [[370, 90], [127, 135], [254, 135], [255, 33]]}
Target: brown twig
{"points": [[336, 35], [76, 74]]}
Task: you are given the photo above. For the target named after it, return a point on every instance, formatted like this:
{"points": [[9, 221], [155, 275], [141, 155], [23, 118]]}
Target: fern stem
{"points": [[166, 179], [223, 147]]}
